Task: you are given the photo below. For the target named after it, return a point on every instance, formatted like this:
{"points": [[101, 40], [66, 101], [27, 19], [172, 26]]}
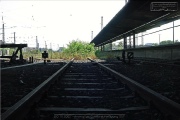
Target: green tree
{"points": [[79, 50], [155, 44], [166, 42], [176, 41], [120, 45]]}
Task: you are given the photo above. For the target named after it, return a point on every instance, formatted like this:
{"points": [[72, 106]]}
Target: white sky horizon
{"points": [[56, 22], [59, 22]]}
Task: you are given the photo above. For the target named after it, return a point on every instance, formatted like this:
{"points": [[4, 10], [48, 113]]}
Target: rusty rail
{"points": [[18, 66]]}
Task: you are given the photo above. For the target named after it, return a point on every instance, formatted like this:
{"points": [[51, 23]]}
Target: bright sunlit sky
{"points": [[56, 22]]}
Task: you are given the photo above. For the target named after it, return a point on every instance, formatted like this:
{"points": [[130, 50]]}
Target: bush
{"points": [[79, 50], [75, 49]]}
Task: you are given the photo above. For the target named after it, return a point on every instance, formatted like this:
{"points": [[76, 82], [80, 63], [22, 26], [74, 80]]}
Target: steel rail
{"points": [[22, 107], [168, 107], [17, 66]]}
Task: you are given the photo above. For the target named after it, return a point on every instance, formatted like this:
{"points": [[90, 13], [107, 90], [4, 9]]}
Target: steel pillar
{"points": [[130, 41], [110, 46], [134, 42], [173, 32], [125, 42]]}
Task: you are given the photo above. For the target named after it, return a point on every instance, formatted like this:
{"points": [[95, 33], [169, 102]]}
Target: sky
{"points": [[56, 22]]}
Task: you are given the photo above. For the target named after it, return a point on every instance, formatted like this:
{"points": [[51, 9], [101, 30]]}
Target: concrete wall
{"points": [[165, 52]]}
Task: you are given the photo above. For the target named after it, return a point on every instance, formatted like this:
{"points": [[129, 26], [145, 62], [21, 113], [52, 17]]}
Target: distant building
{"points": [[149, 44]]}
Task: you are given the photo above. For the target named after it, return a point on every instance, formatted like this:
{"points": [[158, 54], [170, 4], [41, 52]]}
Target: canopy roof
{"points": [[134, 17]]}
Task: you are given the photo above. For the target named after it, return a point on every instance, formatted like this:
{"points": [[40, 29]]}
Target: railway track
{"points": [[89, 90], [162, 78], [17, 81]]}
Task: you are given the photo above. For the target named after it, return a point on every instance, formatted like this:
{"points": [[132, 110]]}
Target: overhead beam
{"points": [[12, 45]]}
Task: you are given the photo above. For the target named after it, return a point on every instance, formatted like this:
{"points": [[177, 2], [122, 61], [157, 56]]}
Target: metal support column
{"points": [[134, 42], [130, 41], [136, 39], [110, 46], [21, 55], [142, 39], [13, 58], [125, 42], [159, 38], [173, 32], [103, 47]]}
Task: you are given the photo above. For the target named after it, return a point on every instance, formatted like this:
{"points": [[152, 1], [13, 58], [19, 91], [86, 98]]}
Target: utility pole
{"points": [[14, 37], [37, 44], [59, 51], [45, 46], [91, 35], [3, 38], [101, 22], [3, 32], [51, 49], [58, 47]]}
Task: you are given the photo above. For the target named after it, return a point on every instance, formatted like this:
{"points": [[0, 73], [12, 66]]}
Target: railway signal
{"points": [[130, 55], [45, 55]]}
